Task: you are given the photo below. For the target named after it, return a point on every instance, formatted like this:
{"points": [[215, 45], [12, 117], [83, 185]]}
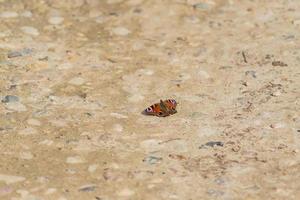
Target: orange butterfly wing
{"points": [[171, 105]]}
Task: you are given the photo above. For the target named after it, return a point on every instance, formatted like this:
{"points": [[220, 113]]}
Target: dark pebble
{"points": [[202, 6], [212, 144], [14, 54], [89, 188], [251, 73], [279, 63], [23, 52], [152, 160], [10, 98], [215, 193]]}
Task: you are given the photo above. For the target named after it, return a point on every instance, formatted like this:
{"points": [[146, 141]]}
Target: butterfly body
{"points": [[162, 109]]}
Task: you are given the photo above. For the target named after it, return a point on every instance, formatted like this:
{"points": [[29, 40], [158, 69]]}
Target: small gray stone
{"points": [[212, 144], [10, 98], [55, 20], [22, 52], [152, 160], [14, 54], [279, 63], [26, 13], [75, 160], [251, 73], [30, 30], [215, 193], [87, 188], [77, 81], [202, 6], [220, 181], [121, 31]]}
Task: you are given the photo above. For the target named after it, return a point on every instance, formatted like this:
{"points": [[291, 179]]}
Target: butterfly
{"points": [[162, 109]]}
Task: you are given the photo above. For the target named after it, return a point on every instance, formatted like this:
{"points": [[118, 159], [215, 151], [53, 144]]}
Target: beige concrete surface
{"points": [[76, 74]]}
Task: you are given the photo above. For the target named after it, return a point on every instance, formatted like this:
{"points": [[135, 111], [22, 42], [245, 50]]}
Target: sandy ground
{"points": [[75, 76]]}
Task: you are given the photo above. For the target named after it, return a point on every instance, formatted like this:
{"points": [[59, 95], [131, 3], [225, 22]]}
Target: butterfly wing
{"points": [[171, 106], [158, 109]]}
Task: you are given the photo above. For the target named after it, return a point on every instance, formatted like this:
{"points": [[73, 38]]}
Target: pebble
{"points": [[147, 72], [138, 45], [278, 125], [215, 193], [77, 81], [92, 168], [16, 106], [42, 179], [152, 160], [8, 14], [100, 19], [220, 181], [184, 76], [296, 22], [30, 30], [279, 63], [119, 116], [68, 4], [9, 179], [118, 128], [50, 191], [22, 52], [125, 192], [10, 98], [203, 74], [27, 14], [251, 73], [33, 122], [55, 20], [71, 171], [75, 160], [203, 6], [121, 31], [26, 155], [212, 144], [87, 188], [113, 1], [46, 142], [276, 93], [28, 131], [265, 17]]}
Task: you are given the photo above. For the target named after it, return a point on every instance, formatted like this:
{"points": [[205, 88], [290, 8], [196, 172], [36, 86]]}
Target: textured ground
{"points": [[75, 76]]}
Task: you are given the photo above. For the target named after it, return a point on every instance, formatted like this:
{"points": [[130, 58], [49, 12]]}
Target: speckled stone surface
{"points": [[76, 74]]}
